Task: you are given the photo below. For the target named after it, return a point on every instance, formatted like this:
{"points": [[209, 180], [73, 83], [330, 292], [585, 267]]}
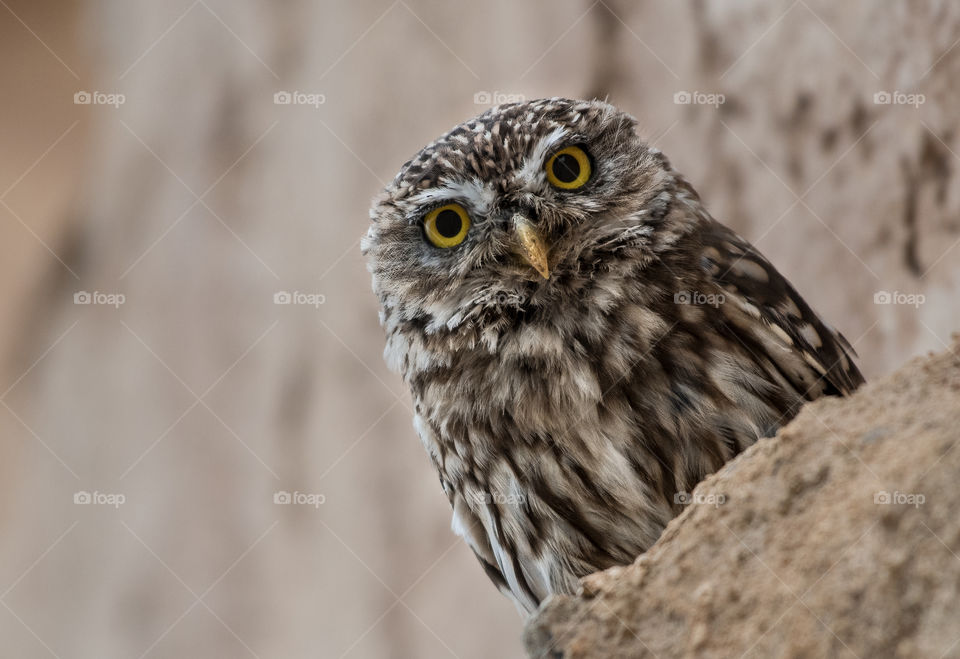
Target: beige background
{"points": [[199, 198]]}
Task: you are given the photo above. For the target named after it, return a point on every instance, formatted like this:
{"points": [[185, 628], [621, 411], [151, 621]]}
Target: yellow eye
{"points": [[569, 168], [447, 226]]}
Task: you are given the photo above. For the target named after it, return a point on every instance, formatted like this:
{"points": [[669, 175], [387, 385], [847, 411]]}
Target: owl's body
{"points": [[581, 355]]}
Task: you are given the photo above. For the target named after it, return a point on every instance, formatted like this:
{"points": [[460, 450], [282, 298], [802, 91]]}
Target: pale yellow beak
{"points": [[533, 248]]}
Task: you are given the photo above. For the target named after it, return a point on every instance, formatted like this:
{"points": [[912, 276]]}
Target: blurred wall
{"points": [[41, 145], [199, 198]]}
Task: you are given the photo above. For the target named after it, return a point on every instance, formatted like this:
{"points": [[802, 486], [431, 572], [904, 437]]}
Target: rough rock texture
{"points": [[838, 537]]}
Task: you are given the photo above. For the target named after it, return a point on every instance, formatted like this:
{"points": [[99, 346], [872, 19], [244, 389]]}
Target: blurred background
{"points": [[203, 454]]}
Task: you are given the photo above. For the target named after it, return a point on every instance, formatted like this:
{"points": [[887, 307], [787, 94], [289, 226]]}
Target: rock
{"points": [[838, 537]]}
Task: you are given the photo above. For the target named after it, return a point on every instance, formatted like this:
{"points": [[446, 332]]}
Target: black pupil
{"points": [[566, 168], [448, 223]]}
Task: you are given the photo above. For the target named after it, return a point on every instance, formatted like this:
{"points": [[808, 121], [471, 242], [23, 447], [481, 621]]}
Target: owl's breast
{"points": [[543, 468]]}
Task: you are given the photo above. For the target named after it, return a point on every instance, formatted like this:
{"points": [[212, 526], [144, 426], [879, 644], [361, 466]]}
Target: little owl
{"points": [[584, 343]]}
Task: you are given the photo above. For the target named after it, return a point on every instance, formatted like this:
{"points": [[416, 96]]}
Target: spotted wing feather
{"points": [[795, 334]]}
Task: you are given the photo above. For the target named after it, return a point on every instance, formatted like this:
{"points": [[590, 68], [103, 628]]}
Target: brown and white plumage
{"points": [[566, 402]]}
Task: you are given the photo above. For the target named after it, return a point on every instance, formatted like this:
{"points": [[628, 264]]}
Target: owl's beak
{"points": [[532, 245]]}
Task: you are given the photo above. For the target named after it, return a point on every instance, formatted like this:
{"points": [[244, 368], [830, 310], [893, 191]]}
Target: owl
{"points": [[583, 342]]}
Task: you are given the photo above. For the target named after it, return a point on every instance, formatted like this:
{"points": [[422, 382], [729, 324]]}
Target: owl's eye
{"points": [[447, 226], [569, 168]]}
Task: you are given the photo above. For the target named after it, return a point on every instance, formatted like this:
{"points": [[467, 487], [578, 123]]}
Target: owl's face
{"points": [[513, 213]]}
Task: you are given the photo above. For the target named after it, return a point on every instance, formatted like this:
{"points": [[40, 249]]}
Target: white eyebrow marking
{"points": [[479, 196], [532, 170]]}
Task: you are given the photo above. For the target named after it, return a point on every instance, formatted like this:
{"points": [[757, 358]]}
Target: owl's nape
{"points": [[582, 340]]}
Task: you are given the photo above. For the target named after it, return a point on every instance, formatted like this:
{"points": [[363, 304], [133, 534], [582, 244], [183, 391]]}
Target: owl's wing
{"points": [[769, 315], [503, 565]]}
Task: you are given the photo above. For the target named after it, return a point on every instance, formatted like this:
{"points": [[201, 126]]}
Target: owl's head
{"points": [[515, 214]]}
